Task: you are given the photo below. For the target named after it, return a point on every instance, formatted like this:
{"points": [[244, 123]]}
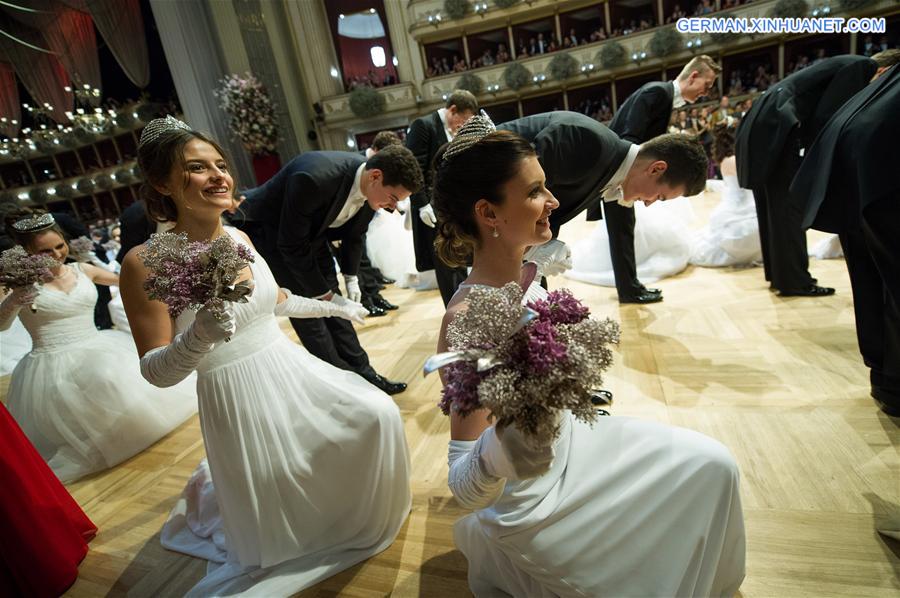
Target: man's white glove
{"points": [[353, 292], [169, 365], [15, 301], [426, 215], [296, 306], [552, 258]]}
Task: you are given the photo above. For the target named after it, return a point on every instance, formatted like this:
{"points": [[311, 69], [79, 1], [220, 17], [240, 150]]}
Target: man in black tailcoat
{"points": [[845, 185], [316, 199], [643, 116], [770, 146]]}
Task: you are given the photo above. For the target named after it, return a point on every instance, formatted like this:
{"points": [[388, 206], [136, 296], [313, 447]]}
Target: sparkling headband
{"points": [[474, 130], [34, 223], [158, 126]]}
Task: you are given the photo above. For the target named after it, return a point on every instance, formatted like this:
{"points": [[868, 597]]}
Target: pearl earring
{"points": [[495, 234]]}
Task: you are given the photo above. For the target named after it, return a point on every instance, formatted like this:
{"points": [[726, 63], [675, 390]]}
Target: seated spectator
{"points": [[502, 54], [572, 37], [487, 59]]}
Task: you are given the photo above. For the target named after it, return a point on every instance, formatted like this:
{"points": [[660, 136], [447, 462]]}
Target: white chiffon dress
{"points": [[79, 395], [389, 245], [661, 245], [15, 343], [628, 508], [732, 236], [308, 467]]}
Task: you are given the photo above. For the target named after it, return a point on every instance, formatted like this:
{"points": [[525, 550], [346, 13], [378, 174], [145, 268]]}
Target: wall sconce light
{"points": [[638, 56], [433, 18], [821, 11], [539, 79], [480, 8], [587, 69], [493, 88], [445, 96], [694, 44]]}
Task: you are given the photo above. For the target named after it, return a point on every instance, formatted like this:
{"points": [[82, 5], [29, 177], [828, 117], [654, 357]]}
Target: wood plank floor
{"points": [[779, 381]]}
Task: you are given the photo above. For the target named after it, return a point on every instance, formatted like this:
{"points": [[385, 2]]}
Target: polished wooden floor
{"points": [[779, 381]]}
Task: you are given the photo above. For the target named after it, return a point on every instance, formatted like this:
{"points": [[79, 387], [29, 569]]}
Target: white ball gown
{"points": [[79, 395], [627, 508], [15, 343], [732, 236], [828, 248], [308, 468], [661, 245], [389, 245]]}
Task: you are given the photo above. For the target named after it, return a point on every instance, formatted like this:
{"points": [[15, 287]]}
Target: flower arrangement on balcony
{"points": [[471, 82], [456, 9], [506, 3], [562, 66], [612, 54], [853, 4], [516, 76], [366, 102], [251, 113], [787, 9], [666, 42], [726, 37]]}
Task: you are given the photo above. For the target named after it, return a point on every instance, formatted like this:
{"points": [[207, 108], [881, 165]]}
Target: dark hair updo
{"points": [[478, 172], [25, 238], [156, 159], [723, 142]]}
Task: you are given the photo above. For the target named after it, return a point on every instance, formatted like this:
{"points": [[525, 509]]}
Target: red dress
{"points": [[43, 531]]}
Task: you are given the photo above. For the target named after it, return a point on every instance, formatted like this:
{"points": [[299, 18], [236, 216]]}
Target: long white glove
{"points": [[478, 469], [353, 292], [14, 302], [552, 258], [426, 215], [169, 365], [296, 306]]}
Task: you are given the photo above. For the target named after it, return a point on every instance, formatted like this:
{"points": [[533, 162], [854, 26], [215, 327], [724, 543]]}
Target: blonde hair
{"points": [[701, 64]]}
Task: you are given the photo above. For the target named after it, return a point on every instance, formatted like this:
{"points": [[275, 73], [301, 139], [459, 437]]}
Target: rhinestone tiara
{"points": [[158, 126], [34, 223], [473, 130]]}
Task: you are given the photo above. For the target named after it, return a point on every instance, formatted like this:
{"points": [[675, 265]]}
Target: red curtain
{"points": [[9, 101]]}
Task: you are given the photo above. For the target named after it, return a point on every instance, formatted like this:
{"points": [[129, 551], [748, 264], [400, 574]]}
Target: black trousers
{"points": [[330, 339], [620, 228], [368, 277], [873, 261], [781, 234], [448, 278]]}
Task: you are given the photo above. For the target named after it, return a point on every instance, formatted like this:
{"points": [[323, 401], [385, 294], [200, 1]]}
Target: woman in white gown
{"points": [[389, 245], [78, 394], [732, 236], [624, 508], [661, 245], [308, 469]]}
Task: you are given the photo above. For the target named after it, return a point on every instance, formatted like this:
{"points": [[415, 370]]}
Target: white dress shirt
{"points": [[613, 190], [442, 112], [677, 99], [355, 201]]}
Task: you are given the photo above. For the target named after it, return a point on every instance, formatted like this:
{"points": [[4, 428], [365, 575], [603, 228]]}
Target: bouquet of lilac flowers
{"points": [[527, 363], [19, 269], [195, 275], [81, 249]]}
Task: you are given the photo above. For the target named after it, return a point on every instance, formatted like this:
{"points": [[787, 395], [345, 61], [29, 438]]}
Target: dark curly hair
{"points": [[156, 160], [478, 172], [399, 167], [723, 142], [686, 159]]}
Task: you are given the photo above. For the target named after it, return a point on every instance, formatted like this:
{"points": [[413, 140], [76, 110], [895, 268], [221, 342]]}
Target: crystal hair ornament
{"points": [[473, 130], [34, 223], [158, 126]]}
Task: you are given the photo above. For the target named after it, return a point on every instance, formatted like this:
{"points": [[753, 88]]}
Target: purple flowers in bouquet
{"points": [[195, 275], [525, 363], [19, 269], [81, 249], [251, 113]]}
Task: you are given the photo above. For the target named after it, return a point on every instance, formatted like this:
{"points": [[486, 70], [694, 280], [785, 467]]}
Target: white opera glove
{"points": [[552, 258], [15, 301], [526, 460], [296, 306], [169, 365], [352, 283], [426, 215]]}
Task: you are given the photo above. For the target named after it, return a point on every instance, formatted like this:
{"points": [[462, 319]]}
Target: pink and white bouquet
{"points": [[251, 114], [19, 269], [524, 363], [195, 275], [81, 249]]}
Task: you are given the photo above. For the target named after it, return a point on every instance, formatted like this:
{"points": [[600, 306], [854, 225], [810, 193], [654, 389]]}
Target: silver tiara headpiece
{"points": [[158, 126], [473, 130], [34, 223]]}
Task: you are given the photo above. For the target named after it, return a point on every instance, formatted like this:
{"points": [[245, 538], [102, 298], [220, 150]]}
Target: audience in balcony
{"points": [[869, 47], [599, 109], [677, 13], [372, 79]]}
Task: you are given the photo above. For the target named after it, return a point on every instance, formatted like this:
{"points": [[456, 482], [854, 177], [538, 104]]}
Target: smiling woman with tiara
{"points": [[78, 394]]}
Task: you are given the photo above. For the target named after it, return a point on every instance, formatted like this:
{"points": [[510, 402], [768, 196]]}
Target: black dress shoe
{"points": [[388, 386], [379, 301], [384, 279], [374, 310], [887, 401], [647, 296], [601, 397], [812, 290]]}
